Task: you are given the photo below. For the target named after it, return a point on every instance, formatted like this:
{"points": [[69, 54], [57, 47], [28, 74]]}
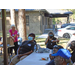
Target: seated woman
{"points": [[26, 48], [51, 40]]}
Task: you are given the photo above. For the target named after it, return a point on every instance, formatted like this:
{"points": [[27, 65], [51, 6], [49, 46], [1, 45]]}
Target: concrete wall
{"points": [[35, 22]]}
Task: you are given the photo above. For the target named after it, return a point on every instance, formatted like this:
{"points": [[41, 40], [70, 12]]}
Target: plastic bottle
{"points": [[35, 48]]}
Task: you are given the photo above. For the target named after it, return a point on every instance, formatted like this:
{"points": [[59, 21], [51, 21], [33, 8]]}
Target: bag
{"points": [[11, 42]]}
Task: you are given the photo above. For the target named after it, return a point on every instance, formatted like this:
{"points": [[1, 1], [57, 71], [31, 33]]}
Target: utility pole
{"points": [[4, 36]]}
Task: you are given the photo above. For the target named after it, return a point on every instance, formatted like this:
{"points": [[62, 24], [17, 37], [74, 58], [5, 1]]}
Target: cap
{"points": [[63, 53]]}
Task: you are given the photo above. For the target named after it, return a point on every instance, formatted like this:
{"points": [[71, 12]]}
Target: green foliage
{"points": [[72, 10], [54, 22]]}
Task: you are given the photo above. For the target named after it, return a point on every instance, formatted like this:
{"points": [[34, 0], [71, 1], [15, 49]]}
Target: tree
{"points": [[22, 24], [73, 15], [13, 17]]}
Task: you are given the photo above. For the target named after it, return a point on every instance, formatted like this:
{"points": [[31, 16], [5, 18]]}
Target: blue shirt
{"points": [[19, 42]]}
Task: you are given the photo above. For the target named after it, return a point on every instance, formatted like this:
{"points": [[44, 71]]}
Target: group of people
{"points": [[58, 56]]}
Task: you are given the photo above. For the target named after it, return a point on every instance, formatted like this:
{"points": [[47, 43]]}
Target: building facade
{"points": [[36, 22]]}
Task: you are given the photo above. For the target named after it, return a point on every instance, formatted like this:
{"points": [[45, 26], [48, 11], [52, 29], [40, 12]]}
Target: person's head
{"points": [[13, 27], [31, 37], [62, 56], [56, 48], [72, 45], [50, 34], [18, 34]]}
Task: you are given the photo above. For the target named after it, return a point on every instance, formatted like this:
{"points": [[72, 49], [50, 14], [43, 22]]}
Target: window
{"points": [[72, 28], [27, 20]]}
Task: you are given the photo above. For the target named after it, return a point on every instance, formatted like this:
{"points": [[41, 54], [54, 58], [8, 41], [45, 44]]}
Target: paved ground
{"points": [[2, 57]]}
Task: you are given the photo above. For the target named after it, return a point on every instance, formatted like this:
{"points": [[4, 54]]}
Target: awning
{"points": [[53, 13]]}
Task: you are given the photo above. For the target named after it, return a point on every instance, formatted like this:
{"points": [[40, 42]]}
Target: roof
{"points": [[50, 11], [26, 9], [58, 11], [53, 13]]}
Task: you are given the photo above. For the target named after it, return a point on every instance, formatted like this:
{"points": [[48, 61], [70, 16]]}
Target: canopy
{"points": [[53, 13]]}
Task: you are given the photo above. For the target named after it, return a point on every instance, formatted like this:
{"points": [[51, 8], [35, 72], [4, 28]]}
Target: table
{"points": [[35, 59]]}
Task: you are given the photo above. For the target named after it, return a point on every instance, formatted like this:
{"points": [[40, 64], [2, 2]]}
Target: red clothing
{"points": [[12, 34]]}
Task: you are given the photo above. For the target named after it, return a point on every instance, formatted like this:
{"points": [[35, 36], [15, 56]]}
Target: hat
{"points": [[63, 53], [57, 46]]}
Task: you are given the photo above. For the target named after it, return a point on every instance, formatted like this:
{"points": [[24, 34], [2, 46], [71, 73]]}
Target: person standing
{"points": [[13, 35]]}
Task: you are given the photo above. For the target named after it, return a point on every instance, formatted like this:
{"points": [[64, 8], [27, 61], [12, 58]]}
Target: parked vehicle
{"points": [[67, 24], [66, 32], [45, 34]]}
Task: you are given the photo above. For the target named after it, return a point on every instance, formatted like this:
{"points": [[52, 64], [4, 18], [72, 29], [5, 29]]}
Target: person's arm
{"points": [[55, 40], [20, 55], [1, 43], [46, 40], [11, 36], [15, 35]]}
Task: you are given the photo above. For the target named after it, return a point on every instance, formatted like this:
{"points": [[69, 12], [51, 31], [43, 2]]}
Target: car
{"points": [[67, 24], [69, 42], [66, 32], [45, 34]]}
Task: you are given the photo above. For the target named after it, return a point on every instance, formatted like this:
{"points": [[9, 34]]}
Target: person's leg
{"points": [[14, 60], [23, 57], [9, 51], [16, 47]]}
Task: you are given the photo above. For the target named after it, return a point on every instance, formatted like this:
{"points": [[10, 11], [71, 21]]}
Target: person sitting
{"points": [[51, 40], [1, 44], [73, 51], [26, 48], [62, 57], [55, 49]]}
